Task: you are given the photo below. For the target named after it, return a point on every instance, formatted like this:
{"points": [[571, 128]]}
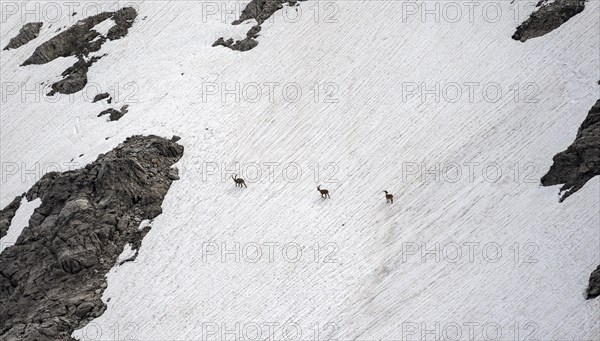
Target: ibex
{"points": [[389, 197], [324, 192], [239, 181]]}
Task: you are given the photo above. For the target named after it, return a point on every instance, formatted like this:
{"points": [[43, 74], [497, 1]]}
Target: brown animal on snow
{"points": [[239, 181], [324, 192], [389, 197]]}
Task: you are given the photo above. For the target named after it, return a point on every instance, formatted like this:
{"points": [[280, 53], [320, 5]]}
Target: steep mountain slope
{"points": [[52, 278], [581, 161], [507, 257], [549, 15], [7, 214]]}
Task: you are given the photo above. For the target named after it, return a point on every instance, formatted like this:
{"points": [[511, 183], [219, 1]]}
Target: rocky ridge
{"points": [[26, 34], [8, 213], [259, 10], [580, 162], [548, 17], [79, 41], [53, 277]]}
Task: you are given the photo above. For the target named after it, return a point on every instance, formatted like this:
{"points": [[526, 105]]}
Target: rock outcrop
{"points": [[581, 161], [74, 78], [593, 290], [548, 17], [222, 42], [100, 97], [79, 41], [241, 45], [8, 213], [259, 10], [114, 114], [26, 34], [123, 19], [52, 279]]}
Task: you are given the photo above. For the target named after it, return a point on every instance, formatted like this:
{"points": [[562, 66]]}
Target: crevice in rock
{"points": [[259, 10], [581, 161], [53, 277], [8, 213], [26, 34], [548, 17], [113, 114]]}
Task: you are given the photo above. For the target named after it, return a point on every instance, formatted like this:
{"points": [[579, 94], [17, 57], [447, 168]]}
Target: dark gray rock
{"points": [[174, 174], [244, 45], [74, 78], [547, 18], [253, 32], [581, 161], [241, 45], [81, 39], [259, 10], [124, 19], [52, 279], [8, 213], [223, 42], [593, 290], [27, 33], [100, 97], [78, 40], [114, 115]]}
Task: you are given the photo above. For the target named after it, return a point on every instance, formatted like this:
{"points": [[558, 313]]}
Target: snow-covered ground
{"points": [[505, 261], [19, 222]]}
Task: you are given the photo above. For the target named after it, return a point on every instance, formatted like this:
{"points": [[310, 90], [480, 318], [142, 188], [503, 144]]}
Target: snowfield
{"points": [[472, 248]]}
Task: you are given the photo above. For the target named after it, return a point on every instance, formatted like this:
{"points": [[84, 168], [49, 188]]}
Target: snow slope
{"points": [[19, 222], [369, 280]]}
